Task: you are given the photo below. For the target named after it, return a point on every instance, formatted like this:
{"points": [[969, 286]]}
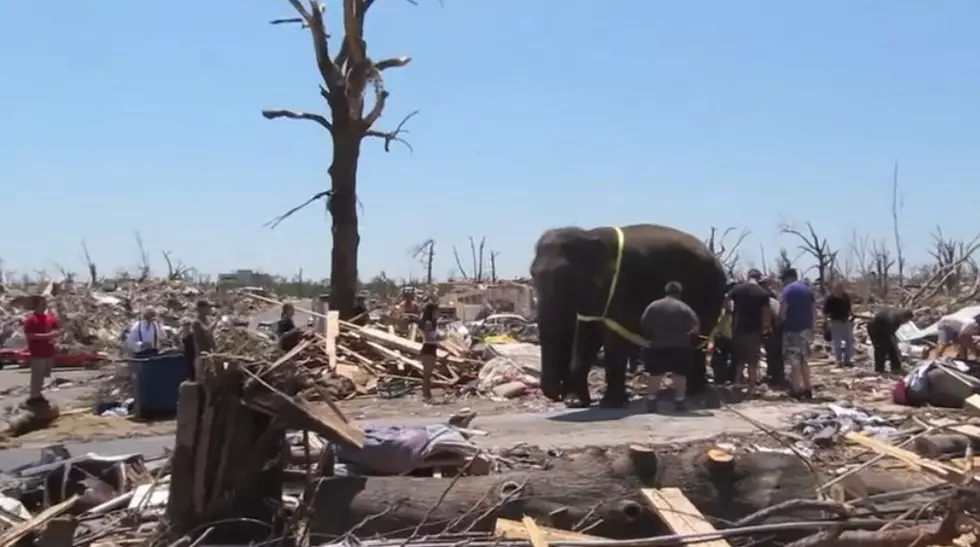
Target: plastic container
{"points": [[158, 382]]}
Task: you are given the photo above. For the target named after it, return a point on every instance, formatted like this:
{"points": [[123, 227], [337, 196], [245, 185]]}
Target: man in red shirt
{"points": [[41, 331]]}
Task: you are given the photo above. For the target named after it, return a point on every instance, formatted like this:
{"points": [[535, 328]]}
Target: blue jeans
{"points": [[842, 340]]}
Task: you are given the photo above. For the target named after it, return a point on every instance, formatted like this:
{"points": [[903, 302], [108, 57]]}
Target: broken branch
{"points": [[392, 136], [293, 115]]}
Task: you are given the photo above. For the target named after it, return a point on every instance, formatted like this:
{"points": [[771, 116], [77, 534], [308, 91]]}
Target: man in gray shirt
{"points": [[669, 324]]}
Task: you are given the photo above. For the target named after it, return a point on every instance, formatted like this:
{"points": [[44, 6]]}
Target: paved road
{"points": [[563, 429]]}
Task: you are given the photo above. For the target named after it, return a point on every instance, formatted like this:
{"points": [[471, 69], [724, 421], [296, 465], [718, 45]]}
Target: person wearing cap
{"points": [[145, 335], [752, 318], [41, 329], [838, 315], [797, 311]]}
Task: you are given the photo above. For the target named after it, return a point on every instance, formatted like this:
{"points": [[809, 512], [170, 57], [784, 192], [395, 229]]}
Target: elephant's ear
{"points": [[592, 258]]}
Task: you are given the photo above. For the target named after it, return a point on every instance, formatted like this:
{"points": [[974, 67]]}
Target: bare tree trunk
{"points": [[342, 205], [429, 261]]}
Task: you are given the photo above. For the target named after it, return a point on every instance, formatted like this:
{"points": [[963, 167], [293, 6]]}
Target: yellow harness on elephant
{"points": [[612, 324]]}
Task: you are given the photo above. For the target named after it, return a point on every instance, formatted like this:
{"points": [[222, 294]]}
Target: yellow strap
{"points": [[604, 319]]}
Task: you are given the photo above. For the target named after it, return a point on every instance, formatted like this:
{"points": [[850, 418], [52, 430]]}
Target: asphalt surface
{"points": [[563, 429]]}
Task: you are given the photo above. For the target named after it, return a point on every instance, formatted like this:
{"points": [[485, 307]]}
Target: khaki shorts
{"points": [[796, 347], [41, 368]]}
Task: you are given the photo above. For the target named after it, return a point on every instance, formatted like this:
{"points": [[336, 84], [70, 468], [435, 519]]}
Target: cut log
{"points": [[935, 446], [600, 487]]}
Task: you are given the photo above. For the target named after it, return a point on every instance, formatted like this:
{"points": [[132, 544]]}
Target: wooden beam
{"points": [[913, 460], [680, 515], [511, 529]]}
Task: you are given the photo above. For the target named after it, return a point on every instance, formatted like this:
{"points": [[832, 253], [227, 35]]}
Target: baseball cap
{"points": [[755, 274]]}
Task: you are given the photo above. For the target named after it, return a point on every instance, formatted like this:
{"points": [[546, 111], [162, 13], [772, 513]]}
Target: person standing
{"points": [[773, 341], [837, 312], [721, 342], [881, 330], [289, 334], [202, 332], [360, 317], [797, 310], [41, 329], [670, 325], [430, 345], [145, 335], [752, 317]]}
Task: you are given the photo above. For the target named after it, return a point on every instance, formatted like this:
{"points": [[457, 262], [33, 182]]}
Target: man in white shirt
{"points": [[146, 336], [959, 331]]}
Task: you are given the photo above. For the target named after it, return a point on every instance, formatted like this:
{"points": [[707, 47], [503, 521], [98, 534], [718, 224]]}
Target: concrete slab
{"points": [[564, 429]]}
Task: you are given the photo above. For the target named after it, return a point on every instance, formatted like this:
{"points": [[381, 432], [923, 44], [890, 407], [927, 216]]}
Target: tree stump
{"points": [[227, 461]]}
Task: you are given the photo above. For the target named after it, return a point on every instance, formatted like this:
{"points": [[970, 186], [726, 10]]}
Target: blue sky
{"points": [[124, 116]]}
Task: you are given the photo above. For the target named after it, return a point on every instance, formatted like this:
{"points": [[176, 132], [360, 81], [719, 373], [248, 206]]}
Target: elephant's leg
{"points": [[618, 352], [588, 340]]}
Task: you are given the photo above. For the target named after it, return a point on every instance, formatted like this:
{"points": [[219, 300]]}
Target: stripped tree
{"points": [[725, 250], [347, 77], [819, 249]]}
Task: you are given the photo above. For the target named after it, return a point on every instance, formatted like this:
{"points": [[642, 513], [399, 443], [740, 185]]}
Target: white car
{"points": [[500, 320]]}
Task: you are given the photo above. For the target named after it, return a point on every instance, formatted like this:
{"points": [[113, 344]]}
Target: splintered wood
{"points": [[679, 514], [511, 529]]}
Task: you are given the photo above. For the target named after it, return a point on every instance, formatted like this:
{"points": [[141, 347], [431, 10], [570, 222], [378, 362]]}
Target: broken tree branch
{"points": [[393, 136], [293, 115]]}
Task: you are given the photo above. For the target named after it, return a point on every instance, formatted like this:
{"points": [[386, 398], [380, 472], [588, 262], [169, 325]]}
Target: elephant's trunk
{"points": [[556, 333]]}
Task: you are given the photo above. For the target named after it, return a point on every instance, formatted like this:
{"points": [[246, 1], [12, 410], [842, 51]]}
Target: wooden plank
{"points": [[913, 460], [969, 430], [533, 532], [511, 529], [679, 514], [972, 403], [14, 534], [330, 342]]}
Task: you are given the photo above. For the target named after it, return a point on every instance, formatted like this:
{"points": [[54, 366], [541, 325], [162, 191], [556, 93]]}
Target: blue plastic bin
{"points": [[158, 382]]}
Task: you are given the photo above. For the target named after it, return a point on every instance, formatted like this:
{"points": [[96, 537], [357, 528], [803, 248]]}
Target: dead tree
{"points": [[347, 77], [882, 262], [476, 253], [860, 252], [783, 261], [425, 253], [727, 254], [144, 267], [477, 260], [896, 208], [819, 249], [93, 271], [175, 269], [951, 256], [493, 266]]}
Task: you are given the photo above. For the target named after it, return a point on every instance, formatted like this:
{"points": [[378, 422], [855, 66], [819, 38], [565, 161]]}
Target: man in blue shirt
{"points": [[797, 311]]}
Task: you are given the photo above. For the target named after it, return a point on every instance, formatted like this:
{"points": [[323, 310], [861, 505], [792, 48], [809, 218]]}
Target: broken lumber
{"points": [[679, 514], [512, 529]]}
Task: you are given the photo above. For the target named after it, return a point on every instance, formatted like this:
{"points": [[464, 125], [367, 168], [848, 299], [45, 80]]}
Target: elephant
{"points": [[574, 271]]}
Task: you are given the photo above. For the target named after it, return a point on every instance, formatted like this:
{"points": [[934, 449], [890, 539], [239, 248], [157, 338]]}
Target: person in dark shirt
{"points": [[773, 341], [360, 311], [882, 328], [837, 313], [751, 317], [289, 335], [669, 324]]}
